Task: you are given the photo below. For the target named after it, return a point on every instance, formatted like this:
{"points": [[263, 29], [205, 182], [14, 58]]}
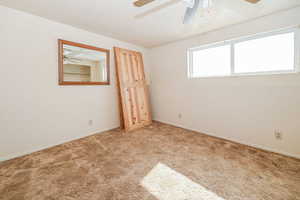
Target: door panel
{"points": [[133, 90]]}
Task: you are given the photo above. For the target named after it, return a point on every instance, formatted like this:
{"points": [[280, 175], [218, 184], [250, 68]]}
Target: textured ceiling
{"points": [[116, 18]]}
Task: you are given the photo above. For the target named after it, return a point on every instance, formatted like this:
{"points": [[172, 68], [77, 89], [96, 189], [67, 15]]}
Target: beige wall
{"points": [[35, 112], [243, 109]]}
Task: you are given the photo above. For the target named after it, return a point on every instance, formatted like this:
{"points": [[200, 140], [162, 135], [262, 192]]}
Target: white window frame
{"points": [[232, 42]]}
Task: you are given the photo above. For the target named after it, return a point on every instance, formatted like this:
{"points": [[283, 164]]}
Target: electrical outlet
{"points": [[278, 135], [90, 122]]}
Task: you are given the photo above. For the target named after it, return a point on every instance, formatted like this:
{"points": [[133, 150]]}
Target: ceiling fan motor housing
{"points": [[189, 3]]}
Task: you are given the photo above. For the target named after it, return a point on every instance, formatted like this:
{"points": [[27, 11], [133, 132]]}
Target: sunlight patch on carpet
{"points": [[167, 184]]}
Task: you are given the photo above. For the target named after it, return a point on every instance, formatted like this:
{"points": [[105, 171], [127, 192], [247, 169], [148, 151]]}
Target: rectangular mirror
{"points": [[80, 64]]}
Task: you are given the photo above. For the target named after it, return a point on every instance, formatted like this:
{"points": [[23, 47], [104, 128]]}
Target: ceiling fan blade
{"points": [[252, 1], [191, 12], [141, 3], [156, 9]]}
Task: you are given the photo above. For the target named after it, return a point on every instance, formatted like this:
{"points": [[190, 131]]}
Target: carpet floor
{"points": [[159, 162]]}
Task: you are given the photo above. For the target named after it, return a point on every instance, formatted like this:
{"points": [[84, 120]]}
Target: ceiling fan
{"points": [[191, 10]]}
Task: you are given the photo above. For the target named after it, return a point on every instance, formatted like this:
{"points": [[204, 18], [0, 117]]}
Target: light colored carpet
{"points": [[159, 162]]}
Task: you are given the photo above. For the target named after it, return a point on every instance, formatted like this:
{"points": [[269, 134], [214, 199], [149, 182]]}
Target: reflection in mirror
{"points": [[83, 65]]}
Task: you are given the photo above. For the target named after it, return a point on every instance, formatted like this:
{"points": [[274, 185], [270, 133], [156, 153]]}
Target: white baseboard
{"points": [[234, 140], [19, 154], [15, 155]]}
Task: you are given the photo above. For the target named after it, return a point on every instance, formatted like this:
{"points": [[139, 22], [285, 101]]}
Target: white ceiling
{"points": [[82, 53], [116, 18]]}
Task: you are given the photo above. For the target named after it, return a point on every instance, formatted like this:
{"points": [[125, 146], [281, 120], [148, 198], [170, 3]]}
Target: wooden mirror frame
{"points": [[61, 63]]}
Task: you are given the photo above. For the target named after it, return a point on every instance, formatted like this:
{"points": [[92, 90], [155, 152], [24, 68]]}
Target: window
{"points": [[273, 53], [263, 54], [207, 57]]}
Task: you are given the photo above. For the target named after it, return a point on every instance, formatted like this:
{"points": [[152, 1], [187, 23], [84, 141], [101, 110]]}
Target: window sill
{"points": [[249, 75]]}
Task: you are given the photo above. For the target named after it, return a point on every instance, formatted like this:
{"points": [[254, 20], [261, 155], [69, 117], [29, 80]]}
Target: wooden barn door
{"points": [[133, 90]]}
